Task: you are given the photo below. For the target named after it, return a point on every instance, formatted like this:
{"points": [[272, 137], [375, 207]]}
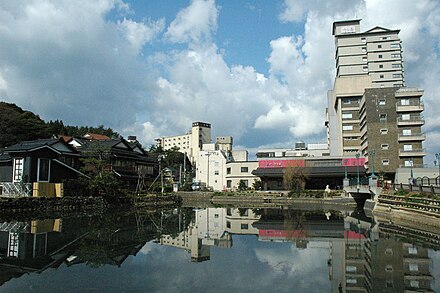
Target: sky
{"points": [[256, 70]]}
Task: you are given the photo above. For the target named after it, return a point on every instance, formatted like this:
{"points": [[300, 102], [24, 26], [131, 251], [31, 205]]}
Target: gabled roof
{"points": [[379, 29], [96, 136], [56, 144]]}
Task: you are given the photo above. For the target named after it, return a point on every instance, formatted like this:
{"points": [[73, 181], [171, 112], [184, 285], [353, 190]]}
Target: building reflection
{"points": [[32, 246], [362, 257]]}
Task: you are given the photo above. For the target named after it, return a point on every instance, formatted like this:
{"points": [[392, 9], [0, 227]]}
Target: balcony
{"points": [[411, 137], [412, 153], [412, 121], [412, 106]]}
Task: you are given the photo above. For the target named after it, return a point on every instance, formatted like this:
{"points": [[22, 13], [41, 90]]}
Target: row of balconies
{"points": [[410, 106], [415, 152]]}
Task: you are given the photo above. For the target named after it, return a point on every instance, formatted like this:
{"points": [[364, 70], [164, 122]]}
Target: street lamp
{"points": [[357, 167], [437, 156], [160, 158], [372, 153]]}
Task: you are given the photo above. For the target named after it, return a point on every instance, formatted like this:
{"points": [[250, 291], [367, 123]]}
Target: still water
{"points": [[217, 250]]}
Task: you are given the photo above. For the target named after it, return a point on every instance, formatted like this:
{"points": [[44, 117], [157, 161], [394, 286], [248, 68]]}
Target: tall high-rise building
{"points": [[376, 53], [370, 111]]}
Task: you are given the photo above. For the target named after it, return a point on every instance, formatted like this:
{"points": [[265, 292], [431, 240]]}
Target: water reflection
{"points": [[241, 249]]}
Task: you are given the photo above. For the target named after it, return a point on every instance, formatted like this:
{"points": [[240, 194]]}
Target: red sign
{"points": [[280, 163], [285, 234], [353, 162]]}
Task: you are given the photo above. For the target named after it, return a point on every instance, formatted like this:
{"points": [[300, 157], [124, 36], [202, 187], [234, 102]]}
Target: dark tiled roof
{"points": [[31, 144]]}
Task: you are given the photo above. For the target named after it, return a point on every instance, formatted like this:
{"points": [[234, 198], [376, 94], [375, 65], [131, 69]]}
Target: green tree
{"points": [[242, 185], [18, 125]]}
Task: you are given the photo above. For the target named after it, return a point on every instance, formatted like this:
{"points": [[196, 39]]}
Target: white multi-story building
{"points": [[221, 168], [189, 143]]}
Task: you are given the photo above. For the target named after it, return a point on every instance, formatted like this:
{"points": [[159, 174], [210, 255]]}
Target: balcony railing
{"points": [[412, 153], [411, 137], [412, 106], [411, 121], [12, 189]]}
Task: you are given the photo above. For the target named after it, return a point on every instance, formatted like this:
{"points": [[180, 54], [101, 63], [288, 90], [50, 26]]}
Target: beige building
{"points": [[370, 112], [189, 143]]}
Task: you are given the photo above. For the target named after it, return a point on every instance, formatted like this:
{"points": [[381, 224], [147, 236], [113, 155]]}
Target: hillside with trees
{"points": [[18, 125]]}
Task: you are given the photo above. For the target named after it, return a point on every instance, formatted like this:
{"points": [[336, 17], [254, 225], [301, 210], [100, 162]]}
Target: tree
{"points": [[18, 125], [242, 185], [294, 178]]}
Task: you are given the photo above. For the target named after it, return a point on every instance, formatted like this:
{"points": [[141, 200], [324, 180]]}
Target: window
{"points": [[244, 169], [363, 40], [380, 56], [380, 65], [382, 102], [384, 38], [229, 212], [413, 267], [365, 68], [216, 216], [379, 46], [383, 117], [406, 117], [350, 269], [364, 59], [228, 183], [408, 163], [406, 132], [394, 46], [385, 146], [228, 170], [412, 250], [18, 169], [228, 224], [404, 102], [351, 281], [389, 268], [396, 65], [395, 75], [407, 147], [216, 172], [385, 162], [395, 55], [381, 76], [43, 169], [347, 115], [244, 226], [414, 283], [364, 49], [389, 251], [346, 101], [347, 127]]}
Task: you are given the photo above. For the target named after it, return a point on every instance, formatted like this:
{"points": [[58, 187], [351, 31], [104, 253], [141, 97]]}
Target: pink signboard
{"points": [[280, 163], [353, 162]]}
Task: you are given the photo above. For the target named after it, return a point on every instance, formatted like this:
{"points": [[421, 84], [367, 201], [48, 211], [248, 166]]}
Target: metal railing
{"points": [[13, 189]]}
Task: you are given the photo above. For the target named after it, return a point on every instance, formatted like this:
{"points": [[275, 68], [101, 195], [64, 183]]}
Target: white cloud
{"points": [[194, 23], [140, 33]]}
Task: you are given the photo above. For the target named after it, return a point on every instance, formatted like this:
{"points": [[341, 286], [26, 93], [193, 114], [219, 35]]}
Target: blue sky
{"points": [[256, 70]]}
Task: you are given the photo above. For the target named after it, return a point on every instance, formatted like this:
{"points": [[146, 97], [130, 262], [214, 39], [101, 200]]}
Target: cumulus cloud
{"points": [[194, 23], [140, 33], [83, 62], [64, 60]]}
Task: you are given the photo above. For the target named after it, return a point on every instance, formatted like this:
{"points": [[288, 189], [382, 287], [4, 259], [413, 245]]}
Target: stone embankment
{"points": [[417, 212], [260, 199], [49, 207]]}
